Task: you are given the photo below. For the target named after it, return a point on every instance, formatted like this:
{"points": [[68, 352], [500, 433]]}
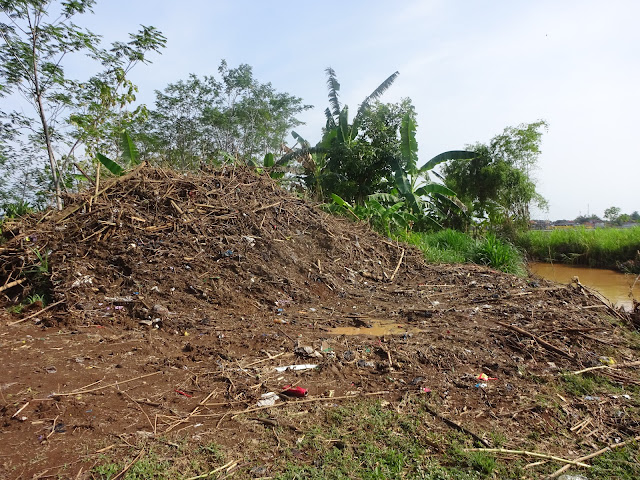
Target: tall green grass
{"points": [[607, 247], [451, 246]]}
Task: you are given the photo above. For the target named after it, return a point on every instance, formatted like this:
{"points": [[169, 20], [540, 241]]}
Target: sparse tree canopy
{"points": [[498, 184], [36, 39]]}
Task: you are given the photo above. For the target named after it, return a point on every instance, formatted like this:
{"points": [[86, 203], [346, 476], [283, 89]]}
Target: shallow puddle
{"points": [[378, 328], [614, 285]]}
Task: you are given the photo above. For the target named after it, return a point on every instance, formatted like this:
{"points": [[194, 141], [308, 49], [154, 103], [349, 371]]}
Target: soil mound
{"points": [[196, 291]]}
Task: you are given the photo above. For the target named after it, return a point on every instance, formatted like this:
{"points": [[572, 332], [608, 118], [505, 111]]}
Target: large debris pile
{"points": [[224, 240]]}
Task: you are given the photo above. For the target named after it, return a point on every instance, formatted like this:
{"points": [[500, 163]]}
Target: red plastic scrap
{"points": [[183, 393], [295, 391]]}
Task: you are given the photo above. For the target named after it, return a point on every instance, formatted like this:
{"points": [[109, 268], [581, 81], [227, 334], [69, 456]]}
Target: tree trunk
{"points": [[52, 159]]}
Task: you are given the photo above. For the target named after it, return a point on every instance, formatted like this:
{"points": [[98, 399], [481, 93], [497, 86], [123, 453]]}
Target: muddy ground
{"points": [[173, 298]]}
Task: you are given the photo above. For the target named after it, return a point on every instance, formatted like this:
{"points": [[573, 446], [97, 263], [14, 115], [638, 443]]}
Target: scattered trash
{"points": [[307, 352], [250, 240], [180, 392], [348, 356], [119, 299], [607, 360], [51, 369], [484, 377], [83, 280], [296, 368], [290, 391], [591, 398], [161, 310], [228, 253], [267, 399], [425, 390], [366, 364], [572, 477], [481, 385]]}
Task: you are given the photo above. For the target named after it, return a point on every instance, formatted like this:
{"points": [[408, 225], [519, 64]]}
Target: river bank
{"points": [[619, 288], [617, 249]]}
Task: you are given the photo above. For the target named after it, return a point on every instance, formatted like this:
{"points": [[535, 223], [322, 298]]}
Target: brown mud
{"points": [[176, 297]]}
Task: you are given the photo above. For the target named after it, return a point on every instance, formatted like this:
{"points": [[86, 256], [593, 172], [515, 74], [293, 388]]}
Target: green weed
{"points": [[606, 247]]}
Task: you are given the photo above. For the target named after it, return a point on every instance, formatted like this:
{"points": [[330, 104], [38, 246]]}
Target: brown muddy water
{"points": [[614, 285]]}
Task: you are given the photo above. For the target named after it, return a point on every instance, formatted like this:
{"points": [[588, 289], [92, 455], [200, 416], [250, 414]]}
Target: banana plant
{"points": [[412, 184], [384, 219], [130, 156]]}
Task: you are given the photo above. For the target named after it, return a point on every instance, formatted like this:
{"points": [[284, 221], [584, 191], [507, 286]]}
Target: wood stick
{"points": [[141, 409], [37, 313], [228, 466], [264, 360], [592, 455], [126, 469], [21, 408], [9, 285], [79, 392], [267, 206], [613, 367], [530, 454], [456, 426], [397, 266], [542, 342]]}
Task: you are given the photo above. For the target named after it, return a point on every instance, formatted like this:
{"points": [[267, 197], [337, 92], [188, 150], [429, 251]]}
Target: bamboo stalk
{"points": [[36, 314], [78, 392]]}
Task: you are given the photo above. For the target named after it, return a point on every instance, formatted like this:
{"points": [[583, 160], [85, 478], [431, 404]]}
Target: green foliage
{"points": [[611, 214], [213, 120], [497, 184], [452, 246], [385, 220], [498, 254], [66, 113], [600, 247], [620, 463], [112, 166], [16, 209], [353, 160]]}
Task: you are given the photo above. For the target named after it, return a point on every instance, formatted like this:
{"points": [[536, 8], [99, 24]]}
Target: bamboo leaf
{"points": [[112, 166]]}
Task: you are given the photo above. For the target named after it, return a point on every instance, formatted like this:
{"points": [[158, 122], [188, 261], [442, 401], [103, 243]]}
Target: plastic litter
{"points": [[267, 399], [484, 377], [296, 368], [290, 391]]}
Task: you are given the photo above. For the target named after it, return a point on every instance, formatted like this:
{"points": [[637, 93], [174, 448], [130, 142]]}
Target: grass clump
{"points": [[606, 247], [452, 246]]}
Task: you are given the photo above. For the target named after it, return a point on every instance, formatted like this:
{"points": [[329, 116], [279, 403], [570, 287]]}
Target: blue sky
{"points": [[471, 68]]}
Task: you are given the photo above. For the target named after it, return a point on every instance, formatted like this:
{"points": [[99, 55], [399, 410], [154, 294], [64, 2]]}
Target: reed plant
{"points": [[606, 247]]}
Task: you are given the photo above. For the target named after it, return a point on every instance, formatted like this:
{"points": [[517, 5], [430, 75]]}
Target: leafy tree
{"points": [[353, 160], [37, 37], [582, 219], [497, 184], [214, 120], [612, 214], [635, 216]]}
